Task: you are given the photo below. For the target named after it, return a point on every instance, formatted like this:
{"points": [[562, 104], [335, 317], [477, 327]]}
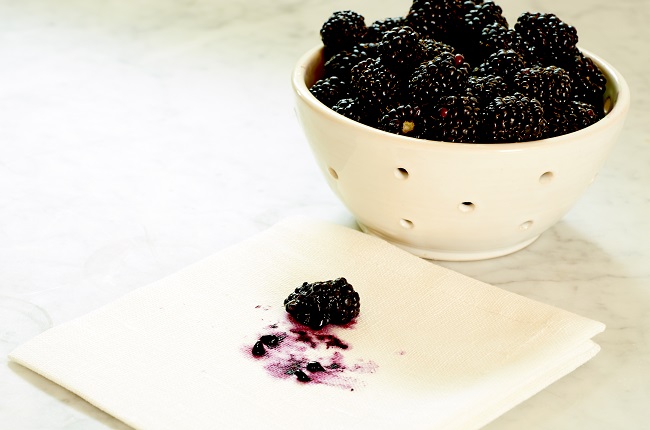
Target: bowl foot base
{"points": [[450, 255]]}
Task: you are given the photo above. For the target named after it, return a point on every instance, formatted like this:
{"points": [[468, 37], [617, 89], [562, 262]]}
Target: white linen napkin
{"points": [[431, 349]]}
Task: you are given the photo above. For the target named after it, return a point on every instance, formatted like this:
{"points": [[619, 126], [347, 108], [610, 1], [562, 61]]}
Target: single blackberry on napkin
{"points": [[320, 303]]}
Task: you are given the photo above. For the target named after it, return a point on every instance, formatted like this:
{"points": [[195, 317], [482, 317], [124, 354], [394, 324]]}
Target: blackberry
{"points": [[320, 303], [495, 36], [588, 81], [505, 63], [405, 120], [550, 38], [432, 48], [329, 90], [342, 30], [476, 17], [375, 85], [341, 64], [455, 119], [435, 19], [486, 88], [400, 49], [513, 118], [571, 117], [377, 29], [444, 75], [351, 108], [550, 85], [480, 16]]}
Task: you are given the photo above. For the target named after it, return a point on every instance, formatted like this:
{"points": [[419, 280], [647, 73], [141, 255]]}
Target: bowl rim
{"points": [[617, 113]]}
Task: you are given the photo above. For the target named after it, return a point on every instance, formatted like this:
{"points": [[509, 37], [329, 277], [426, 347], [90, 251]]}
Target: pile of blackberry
{"points": [[455, 70], [318, 304]]}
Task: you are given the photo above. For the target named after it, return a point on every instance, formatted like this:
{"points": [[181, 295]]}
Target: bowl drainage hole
{"points": [[333, 173], [546, 177], [466, 207], [526, 225], [401, 173], [407, 224]]}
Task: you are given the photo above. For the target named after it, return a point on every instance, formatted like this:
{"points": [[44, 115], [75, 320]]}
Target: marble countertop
{"points": [[140, 136]]}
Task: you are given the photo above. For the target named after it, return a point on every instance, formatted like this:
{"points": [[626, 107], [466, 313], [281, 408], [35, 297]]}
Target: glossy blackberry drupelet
{"points": [[320, 303], [550, 85], [514, 118], [455, 119], [550, 38], [342, 30], [377, 29], [589, 82], [329, 90], [315, 366], [486, 88], [495, 36], [405, 120], [444, 75], [571, 117], [352, 108], [341, 64], [375, 85], [400, 49], [505, 63]]}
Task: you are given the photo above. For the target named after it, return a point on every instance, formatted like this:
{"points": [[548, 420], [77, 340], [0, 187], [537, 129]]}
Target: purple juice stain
{"points": [[292, 350]]}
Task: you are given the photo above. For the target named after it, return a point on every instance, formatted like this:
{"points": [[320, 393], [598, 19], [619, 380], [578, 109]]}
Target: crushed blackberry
{"points": [[551, 39], [405, 120], [329, 90], [315, 366], [400, 49], [270, 340], [377, 29], [375, 84], [505, 63], [320, 303], [550, 85], [495, 36], [588, 80], [444, 75], [258, 349], [342, 30], [571, 117], [301, 376], [455, 119], [486, 88], [513, 118], [432, 48], [341, 64]]}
